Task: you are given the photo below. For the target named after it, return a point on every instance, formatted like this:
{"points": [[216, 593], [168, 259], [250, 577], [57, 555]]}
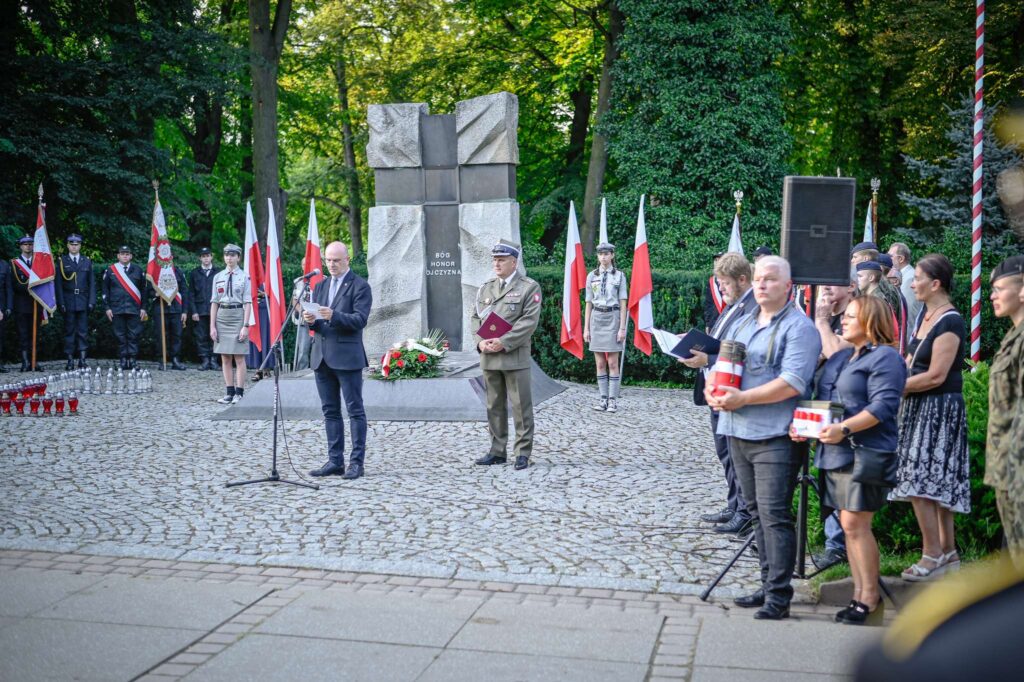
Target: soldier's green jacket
{"points": [[1004, 451], [519, 305]]}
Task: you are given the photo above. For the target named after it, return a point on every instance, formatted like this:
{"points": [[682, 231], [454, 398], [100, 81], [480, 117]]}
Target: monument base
{"points": [[457, 395]]}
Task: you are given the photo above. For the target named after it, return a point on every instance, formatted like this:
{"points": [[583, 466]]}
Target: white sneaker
{"points": [[601, 405], [611, 405], [226, 400], [236, 399]]}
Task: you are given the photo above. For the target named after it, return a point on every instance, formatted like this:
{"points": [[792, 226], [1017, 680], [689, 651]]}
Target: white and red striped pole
{"points": [[976, 206]]}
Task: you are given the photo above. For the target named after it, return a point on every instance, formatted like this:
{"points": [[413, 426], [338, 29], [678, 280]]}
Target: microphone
{"points": [[307, 277]]}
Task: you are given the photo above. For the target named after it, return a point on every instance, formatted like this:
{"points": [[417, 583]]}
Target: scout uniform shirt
{"points": [[519, 305], [235, 294], [606, 289]]}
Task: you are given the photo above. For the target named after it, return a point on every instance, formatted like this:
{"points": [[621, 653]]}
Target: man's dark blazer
{"points": [[200, 289], [338, 343]]}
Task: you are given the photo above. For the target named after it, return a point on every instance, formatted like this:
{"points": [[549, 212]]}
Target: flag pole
{"points": [[163, 335], [875, 184], [977, 208], [35, 312]]}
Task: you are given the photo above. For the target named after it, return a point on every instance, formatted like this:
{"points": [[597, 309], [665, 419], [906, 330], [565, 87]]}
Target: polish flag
{"points": [[254, 271], [41, 281], [575, 281], [640, 288], [313, 260], [274, 287]]}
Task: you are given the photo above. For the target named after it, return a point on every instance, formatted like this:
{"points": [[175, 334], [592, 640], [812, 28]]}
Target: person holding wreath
{"points": [[604, 323]]}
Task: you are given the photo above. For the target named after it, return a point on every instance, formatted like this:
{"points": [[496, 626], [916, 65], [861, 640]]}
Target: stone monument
{"points": [[445, 194]]}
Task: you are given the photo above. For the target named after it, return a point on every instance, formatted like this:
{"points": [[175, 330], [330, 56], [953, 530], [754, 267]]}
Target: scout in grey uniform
{"points": [[505, 360], [604, 323], [229, 312]]}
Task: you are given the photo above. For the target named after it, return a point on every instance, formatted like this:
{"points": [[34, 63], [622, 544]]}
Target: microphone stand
{"points": [[276, 351]]}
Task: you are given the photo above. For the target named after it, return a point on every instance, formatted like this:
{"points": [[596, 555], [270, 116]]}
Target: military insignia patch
{"points": [[536, 298]]}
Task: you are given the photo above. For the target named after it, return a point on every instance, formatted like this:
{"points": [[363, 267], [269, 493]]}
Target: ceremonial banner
{"points": [[735, 243], [254, 272], [869, 227], [277, 304], [313, 259], [574, 282], [40, 284], [160, 267], [640, 288]]}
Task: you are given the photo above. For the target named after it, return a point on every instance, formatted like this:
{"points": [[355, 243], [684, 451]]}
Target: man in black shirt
{"points": [[200, 287]]}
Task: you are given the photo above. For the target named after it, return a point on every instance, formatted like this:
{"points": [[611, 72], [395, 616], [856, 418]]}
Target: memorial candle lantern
{"points": [[728, 369], [73, 402], [60, 405], [47, 404]]}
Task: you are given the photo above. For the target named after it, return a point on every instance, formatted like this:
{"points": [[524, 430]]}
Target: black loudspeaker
{"points": [[817, 228]]}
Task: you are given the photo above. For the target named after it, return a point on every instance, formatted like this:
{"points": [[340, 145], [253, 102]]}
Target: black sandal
{"points": [[858, 613]]}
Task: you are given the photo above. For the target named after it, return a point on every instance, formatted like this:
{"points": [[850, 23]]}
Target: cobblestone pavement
{"points": [[612, 501]]}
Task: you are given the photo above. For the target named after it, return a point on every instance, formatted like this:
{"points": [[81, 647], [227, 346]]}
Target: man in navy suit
{"points": [[338, 359]]}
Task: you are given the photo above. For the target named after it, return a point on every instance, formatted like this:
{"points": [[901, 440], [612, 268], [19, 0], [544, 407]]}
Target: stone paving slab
{"points": [[39, 649], [612, 501], [23, 593], [473, 666]]}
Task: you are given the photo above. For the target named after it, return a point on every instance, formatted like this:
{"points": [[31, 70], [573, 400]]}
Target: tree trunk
{"points": [[245, 120], [355, 210], [599, 145], [266, 40]]}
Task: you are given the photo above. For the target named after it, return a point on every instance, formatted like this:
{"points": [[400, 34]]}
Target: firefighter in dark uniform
{"points": [[6, 303], [200, 288], [175, 314], [125, 297], [76, 297], [24, 302]]}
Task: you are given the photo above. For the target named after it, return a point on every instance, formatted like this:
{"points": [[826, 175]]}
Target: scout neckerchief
{"points": [[128, 285], [716, 294], [773, 326]]}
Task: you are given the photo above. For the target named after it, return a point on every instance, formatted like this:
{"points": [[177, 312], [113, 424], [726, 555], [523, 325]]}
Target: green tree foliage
{"points": [[697, 114]]}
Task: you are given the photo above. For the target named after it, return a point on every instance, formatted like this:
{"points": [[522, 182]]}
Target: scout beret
{"points": [[864, 246], [233, 248], [886, 260], [869, 265], [1014, 265]]}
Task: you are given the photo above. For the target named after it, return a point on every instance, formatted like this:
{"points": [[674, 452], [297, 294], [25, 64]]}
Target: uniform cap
{"points": [[763, 251], [886, 260], [205, 251], [869, 265], [1014, 265], [606, 246], [26, 240], [503, 248], [74, 239], [233, 248], [124, 248], [864, 246]]}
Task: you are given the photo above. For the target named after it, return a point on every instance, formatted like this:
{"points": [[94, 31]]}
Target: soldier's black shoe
{"points": [[176, 364], [131, 363], [749, 601], [353, 472], [24, 362], [772, 612], [737, 524], [522, 461], [204, 365], [491, 459], [3, 370], [329, 469], [124, 362], [70, 364], [717, 517], [82, 364]]}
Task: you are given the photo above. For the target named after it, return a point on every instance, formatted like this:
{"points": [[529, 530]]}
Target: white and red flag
{"points": [[41, 285], [277, 304], [640, 287], [735, 242], [160, 267], [313, 259], [254, 272], [575, 281]]}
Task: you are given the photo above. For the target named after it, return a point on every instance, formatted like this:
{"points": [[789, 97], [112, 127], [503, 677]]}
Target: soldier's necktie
{"points": [[231, 291]]}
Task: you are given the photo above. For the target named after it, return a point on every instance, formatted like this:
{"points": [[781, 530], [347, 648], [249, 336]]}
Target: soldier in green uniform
{"points": [[1004, 461], [505, 360]]}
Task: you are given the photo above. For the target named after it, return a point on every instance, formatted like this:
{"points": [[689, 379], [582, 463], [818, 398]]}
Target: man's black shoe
{"points": [[749, 601], [176, 364], [772, 612], [830, 557], [717, 517], [70, 364], [737, 524], [522, 461], [491, 459], [353, 472], [329, 469]]}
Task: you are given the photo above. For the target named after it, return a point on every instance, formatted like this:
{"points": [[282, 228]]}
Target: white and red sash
{"points": [[128, 285], [25, 269], [716, 294]]}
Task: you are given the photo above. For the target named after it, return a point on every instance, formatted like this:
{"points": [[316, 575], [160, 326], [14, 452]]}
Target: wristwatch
{"points": [[845, 429]]}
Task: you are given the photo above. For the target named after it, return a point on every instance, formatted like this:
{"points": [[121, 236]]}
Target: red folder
{"points": [[493, 327]]}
